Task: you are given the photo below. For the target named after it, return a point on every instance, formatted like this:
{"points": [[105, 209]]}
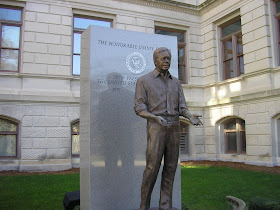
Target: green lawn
{"points": [[203, 187], [36, 191]]}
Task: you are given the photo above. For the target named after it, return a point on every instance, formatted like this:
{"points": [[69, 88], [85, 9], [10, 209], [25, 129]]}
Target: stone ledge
{"points": [[256, 163], [245, 97], [40, 98], [55, 167], [237, 203], [9, 168], [75, 162]]}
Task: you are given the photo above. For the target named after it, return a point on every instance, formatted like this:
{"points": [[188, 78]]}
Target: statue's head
{"points": [[162, 58]]}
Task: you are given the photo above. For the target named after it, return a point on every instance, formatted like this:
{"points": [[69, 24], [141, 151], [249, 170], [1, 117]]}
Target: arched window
{"points": [[75, 138], [235, 136], [275, 139], [8, 138], [184, 138]]}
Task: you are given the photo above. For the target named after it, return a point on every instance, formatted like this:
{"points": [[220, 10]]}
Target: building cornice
{"points": [[175, 3], [209, 5], [171, 5], [186, 5], [178, 6], [166, 4]]}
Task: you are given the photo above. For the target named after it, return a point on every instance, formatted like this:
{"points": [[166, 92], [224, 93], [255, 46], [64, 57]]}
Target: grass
{"points": [[36, 191], [203, 187]]}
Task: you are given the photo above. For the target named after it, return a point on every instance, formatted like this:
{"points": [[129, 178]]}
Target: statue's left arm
{"points": [[183, 109]]}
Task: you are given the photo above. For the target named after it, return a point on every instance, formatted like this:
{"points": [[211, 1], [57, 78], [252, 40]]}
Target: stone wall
{"points": [[44, 135], [47, 39]]}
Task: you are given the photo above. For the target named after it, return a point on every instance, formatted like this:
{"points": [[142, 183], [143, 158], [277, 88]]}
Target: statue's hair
{"points": [[160, 50]]}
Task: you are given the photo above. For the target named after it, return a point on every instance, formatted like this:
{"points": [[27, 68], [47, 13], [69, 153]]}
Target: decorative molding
{"points": [[178, 6], [209, 5], [175, 3], [261, 95], [166, 4], [40, 76], [162, 4]]}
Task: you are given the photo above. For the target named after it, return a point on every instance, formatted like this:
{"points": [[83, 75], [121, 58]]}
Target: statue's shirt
{"points": [[159, 95]]}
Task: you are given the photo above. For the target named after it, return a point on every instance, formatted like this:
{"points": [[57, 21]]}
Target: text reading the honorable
{"points": [[125, 45]]}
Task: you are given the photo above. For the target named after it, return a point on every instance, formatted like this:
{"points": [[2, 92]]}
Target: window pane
{"points": [[76, 127], [231, 137], [76, 64], [184, 127], [9, 60], [234, 27], [279, 50], [75, 144], [10, 36], [184, 144], [242, 125], [179, 35], [181, 73], [231, 125], [278, 27], [241, 65], [8, 145], [84, 23], [6, 125], [228, 65], [77, 43], [181, 55], [10, 14], [243, 141], [239, 45], [277, 7], [228, 53]]}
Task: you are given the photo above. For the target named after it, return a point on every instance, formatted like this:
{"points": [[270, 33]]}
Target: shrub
{"points": [[260, 203], [184, 206]]}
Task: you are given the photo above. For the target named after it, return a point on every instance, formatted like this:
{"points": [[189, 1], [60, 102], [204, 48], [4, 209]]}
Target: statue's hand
{"points": [[161, 121], [195, 119]]}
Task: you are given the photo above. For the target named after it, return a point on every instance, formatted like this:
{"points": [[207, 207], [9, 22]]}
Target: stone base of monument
{"points": [[156, 208], [71, 200]]}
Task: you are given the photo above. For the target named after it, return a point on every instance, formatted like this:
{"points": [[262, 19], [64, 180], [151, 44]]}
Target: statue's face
{"points": [[163, 61]]}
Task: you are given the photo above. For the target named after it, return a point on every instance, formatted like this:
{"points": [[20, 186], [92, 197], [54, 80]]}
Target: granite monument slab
{"points": [[113, 138]]}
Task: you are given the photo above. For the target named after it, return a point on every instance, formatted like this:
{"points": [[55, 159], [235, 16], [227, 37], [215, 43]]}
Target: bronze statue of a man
{"points": [[159, 98]]}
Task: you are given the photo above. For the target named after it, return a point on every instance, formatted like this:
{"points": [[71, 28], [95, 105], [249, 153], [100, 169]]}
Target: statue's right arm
{"points": [[150, 116]]}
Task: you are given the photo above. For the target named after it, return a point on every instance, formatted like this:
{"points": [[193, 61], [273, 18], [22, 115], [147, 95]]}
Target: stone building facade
{"points": [[228, 63]]}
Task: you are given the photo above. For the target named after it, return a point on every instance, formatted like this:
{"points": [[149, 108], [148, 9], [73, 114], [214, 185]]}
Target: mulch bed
{"points": [[235, 165]]}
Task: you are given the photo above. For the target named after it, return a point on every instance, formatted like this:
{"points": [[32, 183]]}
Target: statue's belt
{"points": [[170, 118]]}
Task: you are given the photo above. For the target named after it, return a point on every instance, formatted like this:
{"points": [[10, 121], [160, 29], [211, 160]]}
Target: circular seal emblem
{"points": [[136, 62]]}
